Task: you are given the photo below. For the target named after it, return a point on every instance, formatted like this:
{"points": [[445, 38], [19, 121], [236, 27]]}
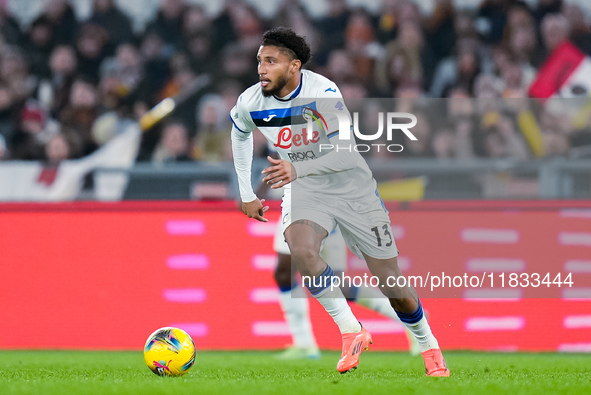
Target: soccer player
{"points": [[324, 190]]}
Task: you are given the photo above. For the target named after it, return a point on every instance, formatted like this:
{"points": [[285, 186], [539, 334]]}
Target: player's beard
{"points": [[275, 87]]}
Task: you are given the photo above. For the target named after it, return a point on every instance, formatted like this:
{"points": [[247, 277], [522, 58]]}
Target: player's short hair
{"points": [[285, 38]]}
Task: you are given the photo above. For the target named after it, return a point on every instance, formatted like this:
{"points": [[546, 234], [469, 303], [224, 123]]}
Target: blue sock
{"points": [[353, 293], [288, 288], [412, 318], [317, 284]]}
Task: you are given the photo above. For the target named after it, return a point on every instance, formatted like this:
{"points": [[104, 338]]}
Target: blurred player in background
{"points": [[333, 189]]}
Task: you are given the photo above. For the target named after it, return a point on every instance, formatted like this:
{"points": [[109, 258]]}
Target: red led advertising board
{"points": [[105, 276]]}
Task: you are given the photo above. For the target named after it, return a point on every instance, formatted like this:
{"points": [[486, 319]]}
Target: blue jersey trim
{"points": [[282, 112], [297, 92], [281, 116], [379, 197], [236, 126]]}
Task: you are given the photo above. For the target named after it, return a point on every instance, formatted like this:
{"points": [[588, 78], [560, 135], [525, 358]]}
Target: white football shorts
{"points": [[365, 226]]}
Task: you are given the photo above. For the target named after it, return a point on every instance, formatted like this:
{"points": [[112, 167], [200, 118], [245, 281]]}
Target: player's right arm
{"points": [[242, 150]]}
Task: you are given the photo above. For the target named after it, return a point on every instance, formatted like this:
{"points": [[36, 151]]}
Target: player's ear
{"points": [[297, 64]]}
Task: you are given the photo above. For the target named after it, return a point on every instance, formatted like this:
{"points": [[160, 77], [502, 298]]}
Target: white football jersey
{"points": [[284, 123]]}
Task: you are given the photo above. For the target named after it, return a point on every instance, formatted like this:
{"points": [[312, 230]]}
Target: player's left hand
{"points": [[280, 173]]}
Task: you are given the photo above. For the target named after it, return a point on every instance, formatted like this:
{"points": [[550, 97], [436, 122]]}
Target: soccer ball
{"points": [[169, 352]]}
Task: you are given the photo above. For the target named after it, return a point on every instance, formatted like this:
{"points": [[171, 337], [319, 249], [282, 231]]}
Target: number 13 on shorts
{"points": [[383, 235]]}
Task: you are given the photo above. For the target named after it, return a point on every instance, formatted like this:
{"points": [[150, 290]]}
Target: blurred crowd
{"points": [[69, 86]]}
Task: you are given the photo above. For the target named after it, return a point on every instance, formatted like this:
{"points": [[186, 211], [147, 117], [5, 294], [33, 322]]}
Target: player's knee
{"points": [[307, 260], [283, 277], [284, 271], [303, 253]]}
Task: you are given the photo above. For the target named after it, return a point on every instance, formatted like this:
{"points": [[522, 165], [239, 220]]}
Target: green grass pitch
{"points": [[79, 372]]}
